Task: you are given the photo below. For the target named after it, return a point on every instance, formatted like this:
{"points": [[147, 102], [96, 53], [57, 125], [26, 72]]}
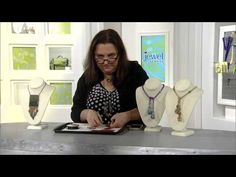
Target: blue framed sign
{"points": [[153, 55]]}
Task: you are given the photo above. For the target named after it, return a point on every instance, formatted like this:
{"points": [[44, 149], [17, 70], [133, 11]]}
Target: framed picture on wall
{"points": [[59, 57], [227, 80], [23, 57], [23, 27], [58, 28], [62, 94], [154, 54]]}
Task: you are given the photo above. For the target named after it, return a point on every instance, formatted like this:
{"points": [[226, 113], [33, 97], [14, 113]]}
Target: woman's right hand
{"points": [[93, 118]]}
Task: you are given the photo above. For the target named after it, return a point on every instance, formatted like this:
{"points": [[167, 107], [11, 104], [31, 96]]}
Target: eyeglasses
{"points": [[100, 59]]}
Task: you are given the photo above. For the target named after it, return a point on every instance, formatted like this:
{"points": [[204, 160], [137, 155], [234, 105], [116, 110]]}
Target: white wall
{"points": [[187, 60], [113, 25]]}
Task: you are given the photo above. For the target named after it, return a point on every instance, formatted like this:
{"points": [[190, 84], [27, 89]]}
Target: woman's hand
{"points": [[93, 118], [119, 120]]}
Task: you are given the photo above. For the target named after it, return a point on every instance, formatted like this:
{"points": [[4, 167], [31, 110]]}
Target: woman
{"points": [[105, 92]]}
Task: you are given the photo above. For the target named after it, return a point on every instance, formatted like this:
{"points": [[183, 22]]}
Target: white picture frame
{"points": [[220, 98]]}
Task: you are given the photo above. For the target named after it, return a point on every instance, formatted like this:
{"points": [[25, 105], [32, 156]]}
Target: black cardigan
{"points": [[136, 77]]}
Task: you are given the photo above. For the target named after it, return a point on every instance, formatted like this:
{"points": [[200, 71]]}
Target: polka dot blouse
{"points": [[107, 103]]}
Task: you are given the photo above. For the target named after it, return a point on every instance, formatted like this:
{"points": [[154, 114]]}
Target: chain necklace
{"points": [[178, 106], [34, 103], [151, 102]]}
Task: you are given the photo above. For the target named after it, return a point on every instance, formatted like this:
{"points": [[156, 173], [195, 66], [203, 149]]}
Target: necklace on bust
{"points": [[178, 106], [34, 102], [151, 102]]}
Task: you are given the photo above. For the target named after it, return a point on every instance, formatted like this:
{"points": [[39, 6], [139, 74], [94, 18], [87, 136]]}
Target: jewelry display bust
{"points": [[150, 100], [34, 102], [180, 102]]}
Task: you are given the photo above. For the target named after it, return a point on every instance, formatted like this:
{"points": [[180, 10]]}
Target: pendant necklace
{"points": [[178, 106], [151, 102], [109, 80], [34, 103]]}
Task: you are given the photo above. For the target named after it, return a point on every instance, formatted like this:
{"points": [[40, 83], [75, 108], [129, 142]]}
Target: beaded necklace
{"points": [[178, 106], [151, 102]]}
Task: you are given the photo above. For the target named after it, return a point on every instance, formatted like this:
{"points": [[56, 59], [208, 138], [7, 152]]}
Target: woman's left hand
{"points": [[119, 120]]}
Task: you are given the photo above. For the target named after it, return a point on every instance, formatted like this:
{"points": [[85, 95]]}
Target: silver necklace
{"points": [[34, 103], [151, 102]]}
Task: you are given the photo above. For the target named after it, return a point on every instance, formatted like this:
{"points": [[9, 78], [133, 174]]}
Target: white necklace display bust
{"points": [[150, 100], [37, 87], [180, 102]]}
